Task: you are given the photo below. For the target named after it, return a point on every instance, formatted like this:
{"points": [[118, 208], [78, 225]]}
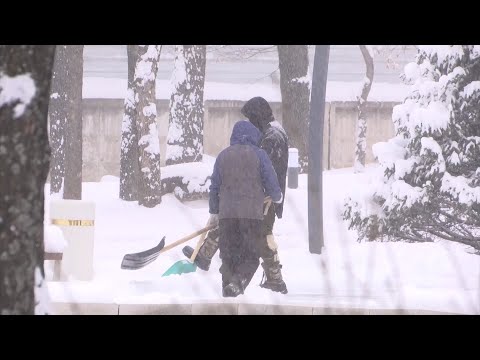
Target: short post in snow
{"points": [[315, 149], [293, 168], [76, 219]]}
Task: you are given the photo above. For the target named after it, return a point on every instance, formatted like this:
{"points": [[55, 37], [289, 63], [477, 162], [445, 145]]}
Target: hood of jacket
{"points": [[245, 133], [259, 112]]}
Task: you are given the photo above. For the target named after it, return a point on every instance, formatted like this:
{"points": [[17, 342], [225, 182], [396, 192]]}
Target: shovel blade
{"points": [[141, 259], [181, 267]]}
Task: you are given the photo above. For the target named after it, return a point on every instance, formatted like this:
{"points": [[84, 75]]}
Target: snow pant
{"points": [[238, 244], [266, 248]]}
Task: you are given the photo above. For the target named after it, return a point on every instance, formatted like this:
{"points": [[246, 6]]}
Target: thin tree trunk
{"points": [[58, 117], [129, 171], [295, 89], [150, 193], [361, 134], [72, 103], [25, 77], [185, 133]]}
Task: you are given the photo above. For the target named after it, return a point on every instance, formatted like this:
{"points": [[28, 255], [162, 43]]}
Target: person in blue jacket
{"points": [[275, 143], [242, 177]]}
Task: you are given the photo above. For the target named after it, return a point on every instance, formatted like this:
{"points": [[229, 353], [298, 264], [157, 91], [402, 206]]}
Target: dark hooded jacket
{"points": [[242, 176], [274, 140]]}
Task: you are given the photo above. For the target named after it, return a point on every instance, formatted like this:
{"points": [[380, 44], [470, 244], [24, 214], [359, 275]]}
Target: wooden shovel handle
{"points": [[268, 201], [197, 248], [203, 232], [186, 238]]}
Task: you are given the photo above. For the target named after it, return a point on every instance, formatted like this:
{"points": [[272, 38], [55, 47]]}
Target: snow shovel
{"points": [[189, 266], [139, 260]]}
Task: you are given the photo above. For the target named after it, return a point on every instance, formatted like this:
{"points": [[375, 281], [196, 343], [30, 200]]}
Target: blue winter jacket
{"points": [[242, 176]]}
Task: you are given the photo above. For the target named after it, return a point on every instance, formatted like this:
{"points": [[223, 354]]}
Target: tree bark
{"points": [[129, 170], [295, 90], [361, 135], [150, 191], [73, 143], [67, 113], [185, 133], [58, 117], [25, 77]]}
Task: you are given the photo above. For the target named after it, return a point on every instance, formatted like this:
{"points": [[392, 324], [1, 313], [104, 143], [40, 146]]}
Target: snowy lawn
{"points": [[429, 276]]}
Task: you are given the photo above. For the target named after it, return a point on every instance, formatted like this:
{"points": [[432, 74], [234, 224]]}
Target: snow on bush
{"points": [[428, 186], [189, 181]]}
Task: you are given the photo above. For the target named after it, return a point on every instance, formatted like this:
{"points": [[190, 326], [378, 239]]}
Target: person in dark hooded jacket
{"points": [[275, 143], [242, 177]]}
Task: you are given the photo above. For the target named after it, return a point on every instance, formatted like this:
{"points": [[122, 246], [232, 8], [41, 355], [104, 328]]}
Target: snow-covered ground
{"points": [[430, 276]]}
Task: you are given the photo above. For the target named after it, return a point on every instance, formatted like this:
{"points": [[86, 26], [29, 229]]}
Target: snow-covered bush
{"points": [[429, 184]]}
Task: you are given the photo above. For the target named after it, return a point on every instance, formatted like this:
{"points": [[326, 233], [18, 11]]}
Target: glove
{"points": [[213, 220], [279, 201]]}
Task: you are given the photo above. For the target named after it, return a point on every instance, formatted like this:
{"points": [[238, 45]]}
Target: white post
{"points": [[76, 218], [293, 168]]}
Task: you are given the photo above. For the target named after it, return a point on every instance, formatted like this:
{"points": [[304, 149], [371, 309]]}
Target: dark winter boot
{"points": [[230, 287], [273, 276], [206, 252], [232, 290], [236, 286]]}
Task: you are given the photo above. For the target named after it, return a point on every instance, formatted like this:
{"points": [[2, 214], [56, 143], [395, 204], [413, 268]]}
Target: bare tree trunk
{"points": [[58, 119], [129, 171], [185, 133], [69, 84], [295, 89], [25, 76], [361, 141], [150, 191]]}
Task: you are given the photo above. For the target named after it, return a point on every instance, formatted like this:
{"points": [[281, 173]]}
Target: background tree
{"points": [[361, 134], [57, 117], [129, 170], [25, 77], [185, 132], [390, 53], [295, 90], [65, 112], [150, 190]]}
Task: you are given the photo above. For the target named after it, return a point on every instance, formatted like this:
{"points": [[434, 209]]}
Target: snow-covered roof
{"points": [[111, 88], [225, 65]]}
